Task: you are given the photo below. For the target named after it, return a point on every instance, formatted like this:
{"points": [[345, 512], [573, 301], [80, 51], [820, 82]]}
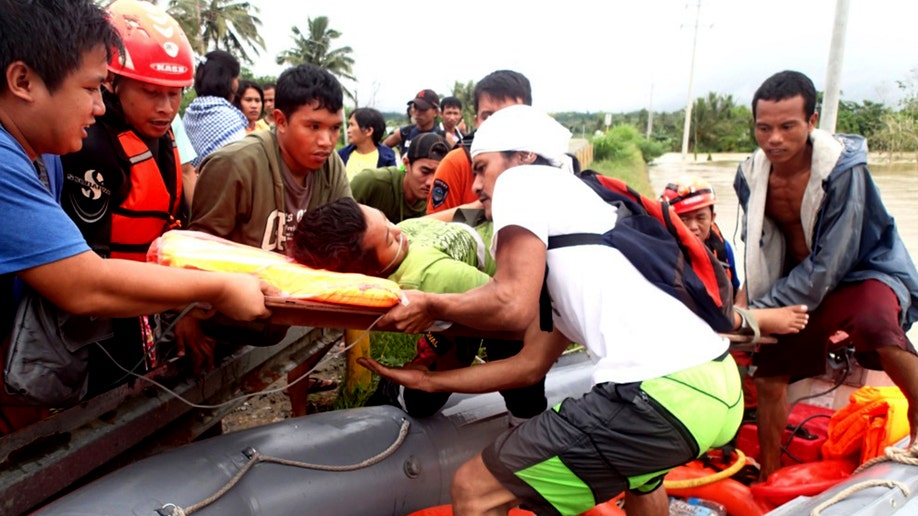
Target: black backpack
{"points": [[661, 247]]}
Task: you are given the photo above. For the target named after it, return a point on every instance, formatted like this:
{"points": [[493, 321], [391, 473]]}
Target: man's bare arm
{"points": [[509, 302], [88, 285], [393, 139]]}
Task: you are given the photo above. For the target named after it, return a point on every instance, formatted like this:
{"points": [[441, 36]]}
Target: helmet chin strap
{"points": [[401, 238]]}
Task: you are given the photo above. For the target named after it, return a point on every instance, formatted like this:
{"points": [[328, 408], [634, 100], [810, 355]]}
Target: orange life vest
{"points": [[149, 209], [875, 417]]}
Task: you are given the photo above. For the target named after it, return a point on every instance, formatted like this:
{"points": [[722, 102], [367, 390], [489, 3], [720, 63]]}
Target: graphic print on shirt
{"points": [[279, 228], [439, 192], [96, 197]]}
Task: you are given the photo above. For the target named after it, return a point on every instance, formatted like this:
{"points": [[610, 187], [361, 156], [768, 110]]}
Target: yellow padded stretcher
{"points": [[295, 282]]}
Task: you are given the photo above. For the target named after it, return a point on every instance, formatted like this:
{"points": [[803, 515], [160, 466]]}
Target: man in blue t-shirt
{"points": [[53, 69]]}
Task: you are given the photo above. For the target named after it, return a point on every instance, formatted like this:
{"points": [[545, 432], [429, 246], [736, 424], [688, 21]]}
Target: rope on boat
{"points": [[909, 456], [893, 454], [170, 509], [710, 479], [860, 486]]}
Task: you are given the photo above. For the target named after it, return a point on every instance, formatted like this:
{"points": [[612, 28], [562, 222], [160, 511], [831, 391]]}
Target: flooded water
{"points": [[898, 185]]}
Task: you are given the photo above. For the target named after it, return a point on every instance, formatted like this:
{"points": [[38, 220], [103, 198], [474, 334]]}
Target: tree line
{"points": [[719, 123]]}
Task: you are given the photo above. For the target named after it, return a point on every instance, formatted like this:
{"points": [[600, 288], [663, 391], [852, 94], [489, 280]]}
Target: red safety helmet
{"points": [[688, 194], [156, 49]]}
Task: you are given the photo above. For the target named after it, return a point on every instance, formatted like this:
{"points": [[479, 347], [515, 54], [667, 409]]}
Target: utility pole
{"points": [[650, 114], [829, 114], [691, 78]]}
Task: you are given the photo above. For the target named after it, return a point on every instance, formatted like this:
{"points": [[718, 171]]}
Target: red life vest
{"points": [[149, 209]]}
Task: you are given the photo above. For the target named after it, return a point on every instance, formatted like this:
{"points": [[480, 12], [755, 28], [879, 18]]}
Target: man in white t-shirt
{"points": [[659, 399]]}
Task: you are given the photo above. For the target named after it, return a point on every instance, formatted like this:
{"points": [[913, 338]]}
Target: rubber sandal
{"points": [[321, 385]]}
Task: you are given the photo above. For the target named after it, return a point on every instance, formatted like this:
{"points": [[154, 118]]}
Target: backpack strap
{"points": [[554, 242], [545, 321]]}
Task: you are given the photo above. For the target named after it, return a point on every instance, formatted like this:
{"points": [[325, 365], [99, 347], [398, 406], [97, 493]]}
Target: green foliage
{"points": [[187, 97], [886, 129], [466, 94], [864, 119], [616, 143], [315, 48], [719, 125], [391, 349], [650, 149], [220, 24], [623, 142], [898, 134], [628, 165], [581, 124], [246, 73]]}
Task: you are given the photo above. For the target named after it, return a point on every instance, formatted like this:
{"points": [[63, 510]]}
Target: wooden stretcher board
{"points": [[292, 312], [742, 342]]}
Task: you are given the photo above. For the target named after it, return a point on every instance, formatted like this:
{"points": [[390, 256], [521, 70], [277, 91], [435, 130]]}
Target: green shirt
{"points": [[442, 257], [383, 189]]}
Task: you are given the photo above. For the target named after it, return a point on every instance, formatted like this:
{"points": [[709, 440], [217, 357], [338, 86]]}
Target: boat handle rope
{"points": [[893, 454], [254, 457], [244, 397]]}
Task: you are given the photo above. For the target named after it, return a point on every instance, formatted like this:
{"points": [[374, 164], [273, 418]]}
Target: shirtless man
{"points": [[825, 240]]}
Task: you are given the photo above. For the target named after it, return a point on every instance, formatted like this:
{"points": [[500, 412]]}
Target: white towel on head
{"points": [[522, 128]]}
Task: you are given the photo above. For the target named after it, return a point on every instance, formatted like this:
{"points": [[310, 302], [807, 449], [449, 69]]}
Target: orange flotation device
{"points": [[736, 497], [807, 479], [196, 250], [875, 418]]}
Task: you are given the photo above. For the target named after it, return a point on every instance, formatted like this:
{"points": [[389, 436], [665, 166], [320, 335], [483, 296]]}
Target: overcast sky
{"points": [[605, 55]]}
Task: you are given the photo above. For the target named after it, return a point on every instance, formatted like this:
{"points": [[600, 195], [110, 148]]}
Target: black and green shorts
{"points": [[617, 437]]}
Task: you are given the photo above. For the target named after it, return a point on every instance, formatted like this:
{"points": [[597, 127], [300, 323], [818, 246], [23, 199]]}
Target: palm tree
{"points": [[316, 50], [466, 94], [220, 24]]}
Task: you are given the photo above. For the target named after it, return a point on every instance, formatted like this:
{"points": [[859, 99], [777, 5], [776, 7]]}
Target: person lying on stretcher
{"points": [[419, 254]]}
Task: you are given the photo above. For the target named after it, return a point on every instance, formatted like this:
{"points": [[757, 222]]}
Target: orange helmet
{"points": [[688, 194], [156, 49]]}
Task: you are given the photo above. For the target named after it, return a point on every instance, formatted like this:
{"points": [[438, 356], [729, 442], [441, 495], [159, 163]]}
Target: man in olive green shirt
{"points": [[402, 194], [253, 191]]}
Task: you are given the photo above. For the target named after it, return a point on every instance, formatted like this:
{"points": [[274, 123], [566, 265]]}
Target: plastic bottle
{"points": [[695, 507]]}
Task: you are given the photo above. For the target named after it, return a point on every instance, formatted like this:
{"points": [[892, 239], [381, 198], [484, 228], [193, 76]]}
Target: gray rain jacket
{"points": [[850, 234]]}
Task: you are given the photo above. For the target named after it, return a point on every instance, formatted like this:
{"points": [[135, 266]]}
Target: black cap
{"points": [[427, 146], [426, 99]]}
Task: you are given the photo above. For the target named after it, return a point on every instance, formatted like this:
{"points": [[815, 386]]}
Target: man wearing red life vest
{"points": [[124, 188]]}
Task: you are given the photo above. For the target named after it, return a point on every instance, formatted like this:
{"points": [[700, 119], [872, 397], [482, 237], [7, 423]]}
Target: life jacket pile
{"points": [[875, 418]]}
